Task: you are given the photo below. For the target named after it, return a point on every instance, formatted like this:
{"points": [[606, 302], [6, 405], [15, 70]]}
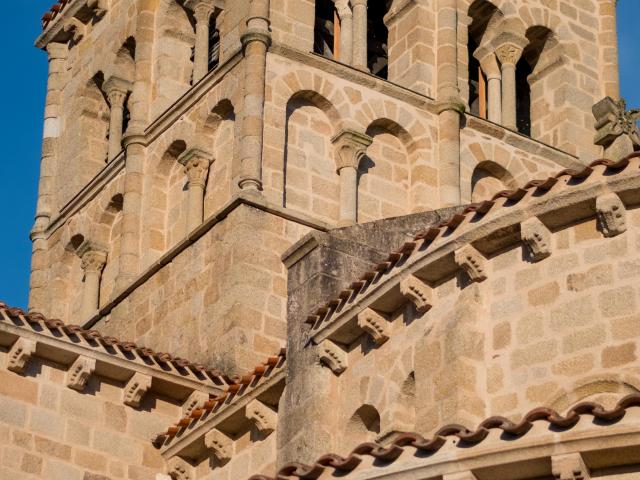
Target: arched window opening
{"points": [[214, 43], [488, 179], [378, 38], [327, 34]]}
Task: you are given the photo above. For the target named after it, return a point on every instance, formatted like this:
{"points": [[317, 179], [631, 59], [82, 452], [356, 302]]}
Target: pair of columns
{"points": [[202, 11], [353, 32], [351, 146]]}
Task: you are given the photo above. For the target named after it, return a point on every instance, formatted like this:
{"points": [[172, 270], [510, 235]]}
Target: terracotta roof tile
{"points": [[389, 454]]}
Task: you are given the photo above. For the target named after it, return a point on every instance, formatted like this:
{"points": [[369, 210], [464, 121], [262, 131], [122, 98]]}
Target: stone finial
{"points": [[136, 389], [196, 165], [537, 237], [179, 469], [221, 444], [195, 400], [20, 354], [264, 418], [350, 146], [79, 373], [375, 325], [333, 356], [616, 128], [417, 292], [612, 215], [472, 262], [569, 467]]}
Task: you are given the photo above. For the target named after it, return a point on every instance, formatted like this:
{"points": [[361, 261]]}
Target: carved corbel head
{"points": [[616, 128]]}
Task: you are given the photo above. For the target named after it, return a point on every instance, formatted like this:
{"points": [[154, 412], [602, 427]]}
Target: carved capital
{"points": [[179, 469], [417, 292], [350, 147], [221, 444], [489, 64], [202, 9], [80, 372], [93, 256], [136, 389], [569, 467], [616, 127], [509, 53], [196, 166], [333, 356], [195, 400], [116, 90], [20, 354], [537, 237], [472, 262], [612, 215], [375, 325], [263, 417], [343, 8], [57, 51]]}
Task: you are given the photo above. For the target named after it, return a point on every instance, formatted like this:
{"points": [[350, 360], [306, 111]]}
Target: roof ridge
{"points": [[389, 454]]}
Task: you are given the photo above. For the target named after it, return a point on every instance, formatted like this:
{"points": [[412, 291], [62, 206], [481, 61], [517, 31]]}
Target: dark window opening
{"points": [[214, 43], [378, 38], [325, 29], [523, 97], [477, 85], [126, 114]]}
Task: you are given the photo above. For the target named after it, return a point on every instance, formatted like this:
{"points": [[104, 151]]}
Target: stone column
{"points": [[38, 284], [202, 11], [94, 259], [608, 42], [256, 41], [450, 105], [350, 146], [346, 31], [116, 90], [360, 44], [491, 69], [196, 165], [509, 54]]}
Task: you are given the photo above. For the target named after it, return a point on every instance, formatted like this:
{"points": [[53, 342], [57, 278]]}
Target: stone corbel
{"points": [[136, 389], [350, 147], [20, 354], [333, 356], [80, 372], [75, 29], [375, 325], [195, 400], [616, 128], [472, 262], [221, 444], [417, 292], [537, 237], [179, 469], [99, 7], [569, 467], [612, 215], [263, 417]]}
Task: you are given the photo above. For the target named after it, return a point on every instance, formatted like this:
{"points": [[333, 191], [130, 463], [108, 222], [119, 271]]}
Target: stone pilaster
{"points": [[202, 11], [509, 54], [360, 34], [256, 41], [94, 259], [196, 166], [116, 90], [346, 31], [350, 146]]}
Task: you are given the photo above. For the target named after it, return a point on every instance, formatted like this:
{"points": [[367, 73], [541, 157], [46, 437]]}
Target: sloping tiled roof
{"points": [[94, 340], [340, 466], [53, 12]]}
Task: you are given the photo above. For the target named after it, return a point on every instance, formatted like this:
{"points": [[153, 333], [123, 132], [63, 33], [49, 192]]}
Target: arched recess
{"points": [[363, 426], [489, 178], [219, 135], [384, 173], [173, 63], [310, 180]]}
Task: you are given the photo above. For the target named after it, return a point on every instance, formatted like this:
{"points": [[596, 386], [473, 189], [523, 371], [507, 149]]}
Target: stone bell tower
{"points": [[189, 143]]}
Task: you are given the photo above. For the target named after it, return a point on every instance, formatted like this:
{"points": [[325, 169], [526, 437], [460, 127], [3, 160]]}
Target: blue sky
{"points": [[22, 89]]}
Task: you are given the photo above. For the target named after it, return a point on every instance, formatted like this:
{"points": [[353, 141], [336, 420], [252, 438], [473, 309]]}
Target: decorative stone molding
{"points": [[333, 356], [375, 325], [79, 373], [179, 469], [472, 262], [221, 444], [20, 354], [263, 417], [136, 389], [195, 400], [617, 128], [196, 166], [569, 467], [537, 238], [350, 147], [417, 292], [612, 215]]}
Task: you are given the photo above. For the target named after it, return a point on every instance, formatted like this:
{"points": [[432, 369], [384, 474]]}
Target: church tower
{"points": [[189, 143]]}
